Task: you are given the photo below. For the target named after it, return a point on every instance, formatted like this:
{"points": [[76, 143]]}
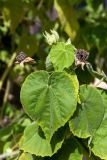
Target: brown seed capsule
{"points": [[82, 55], [80, 58], [20, 57], [23, 58]]}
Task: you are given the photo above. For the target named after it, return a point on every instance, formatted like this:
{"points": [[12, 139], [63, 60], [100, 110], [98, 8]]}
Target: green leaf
{"points": [[77, 2], [28, 44], [76, 84], [13, 12], [4, 56], [62, 56], [25, 156], [67, 18], [49, 99], [5, 133], [71, 150], [99, 141], [7, 146], [89, 113], [34, 142]]}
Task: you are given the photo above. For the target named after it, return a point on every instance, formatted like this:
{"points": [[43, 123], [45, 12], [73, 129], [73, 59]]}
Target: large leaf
{"points": [[62, 55], [99, 141], [67, 18], [49, 99], [43, 96], [34, 142], [89, 113]]}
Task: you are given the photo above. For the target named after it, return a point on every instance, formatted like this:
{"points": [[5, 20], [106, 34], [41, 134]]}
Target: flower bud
{"points": [[51, 38]]}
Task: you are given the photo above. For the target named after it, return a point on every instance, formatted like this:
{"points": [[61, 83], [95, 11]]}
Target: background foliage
{"points": [[22, 24]]}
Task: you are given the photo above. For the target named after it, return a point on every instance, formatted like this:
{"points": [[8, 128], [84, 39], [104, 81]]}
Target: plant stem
{"points": [[6, 96], [7, 70], [96, 74]]}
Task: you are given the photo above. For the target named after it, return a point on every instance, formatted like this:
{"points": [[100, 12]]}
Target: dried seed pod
{"points": [[20, 57], [82, 55], [80, 58]]}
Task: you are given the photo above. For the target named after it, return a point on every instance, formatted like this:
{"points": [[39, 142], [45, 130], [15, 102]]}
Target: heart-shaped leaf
{"points": [[89, 113], [49, 99], [62, 55], [99, 141]]}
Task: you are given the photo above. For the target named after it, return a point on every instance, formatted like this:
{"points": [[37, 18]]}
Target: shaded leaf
{"points": [[13, 12], [71, 150], [5, 133], [52, 99], [28, 44]]}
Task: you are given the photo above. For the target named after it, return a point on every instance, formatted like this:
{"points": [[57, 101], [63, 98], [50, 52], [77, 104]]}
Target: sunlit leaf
{"points": [[34, 142], [25, 156], [62, 55], [89, 113], [67, 18], [52, 99], [99, 141]]}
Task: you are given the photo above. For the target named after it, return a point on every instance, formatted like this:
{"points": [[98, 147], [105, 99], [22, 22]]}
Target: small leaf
{"points": [[49, 99], [89, 113], [34, 142], [62, 56]]}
